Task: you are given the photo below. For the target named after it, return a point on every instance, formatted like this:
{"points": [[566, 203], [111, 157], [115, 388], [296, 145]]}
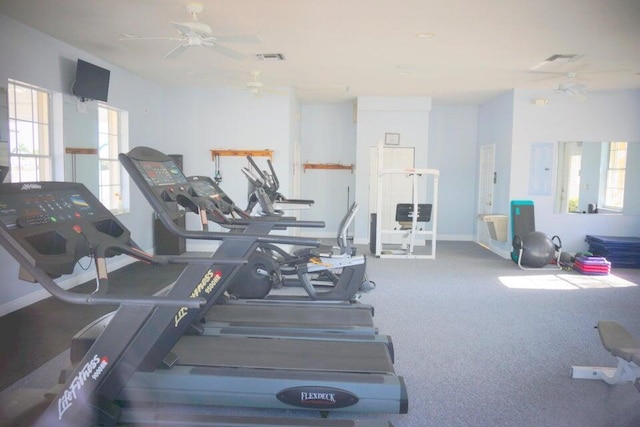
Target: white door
{"points": [[570, 161], [396, 188], [486, 182]]}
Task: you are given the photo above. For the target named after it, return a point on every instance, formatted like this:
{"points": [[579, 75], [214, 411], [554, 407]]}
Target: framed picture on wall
{"points": [[391, 139]]}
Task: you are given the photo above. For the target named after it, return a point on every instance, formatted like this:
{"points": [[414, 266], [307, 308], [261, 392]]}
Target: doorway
{"points": [[486, 183]]}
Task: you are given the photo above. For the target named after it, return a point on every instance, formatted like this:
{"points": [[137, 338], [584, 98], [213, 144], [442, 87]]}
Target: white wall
{"points": [[453, 132], [328, 136], [35, 58], [199, 120], [603, 116]]}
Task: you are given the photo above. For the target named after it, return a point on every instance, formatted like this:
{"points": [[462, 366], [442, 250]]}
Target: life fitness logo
{"points": [[90, 371], [206, 285], [27, 187]]}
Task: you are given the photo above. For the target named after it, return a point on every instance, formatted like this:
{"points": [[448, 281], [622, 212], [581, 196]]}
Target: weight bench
{"points": [[624, 346]]}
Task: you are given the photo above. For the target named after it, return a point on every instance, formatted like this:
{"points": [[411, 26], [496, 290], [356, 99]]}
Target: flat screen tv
{"points": [[92, 82]]}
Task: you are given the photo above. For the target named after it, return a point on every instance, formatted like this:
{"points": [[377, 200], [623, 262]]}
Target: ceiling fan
{"points": [[571, 87], [257, 88], [196, 33]]}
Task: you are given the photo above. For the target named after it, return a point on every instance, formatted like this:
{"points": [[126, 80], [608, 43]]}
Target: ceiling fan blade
{"points": [[183, 29], [176, 51], [233, 39], [133, 37], [224, 50]]}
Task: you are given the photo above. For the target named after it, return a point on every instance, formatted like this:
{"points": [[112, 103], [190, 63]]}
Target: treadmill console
{"points": [[57, 223], [152, 169], [203, 186]]}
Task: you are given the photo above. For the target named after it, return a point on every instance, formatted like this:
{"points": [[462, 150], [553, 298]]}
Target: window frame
{"points": [[615, 176], [45, 165], [119, 133]]}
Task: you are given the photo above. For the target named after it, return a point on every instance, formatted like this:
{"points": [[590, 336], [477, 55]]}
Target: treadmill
{"points": [[255, 372], [253, 317], [328, 322], [48, 227]]}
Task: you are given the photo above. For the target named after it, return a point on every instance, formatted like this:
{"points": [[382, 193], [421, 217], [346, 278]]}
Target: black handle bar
{"points": [[25, 260]]}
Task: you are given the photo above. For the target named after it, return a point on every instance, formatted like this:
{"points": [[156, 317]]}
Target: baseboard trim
{"points": [[439, 237]]}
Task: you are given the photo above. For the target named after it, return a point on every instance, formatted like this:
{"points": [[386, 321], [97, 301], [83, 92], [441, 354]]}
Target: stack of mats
{"points": [[592, 265], [623, 252]]}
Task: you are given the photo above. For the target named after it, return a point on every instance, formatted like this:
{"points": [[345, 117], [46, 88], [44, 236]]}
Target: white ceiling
{"points": [[340, 49]]}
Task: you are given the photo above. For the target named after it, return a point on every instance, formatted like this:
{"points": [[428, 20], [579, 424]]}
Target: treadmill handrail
{"points": [[20, 255], [276, 220], [216, 235], [101, 249]]}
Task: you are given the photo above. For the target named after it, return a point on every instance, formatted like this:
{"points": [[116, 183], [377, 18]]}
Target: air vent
{"points": [[270, 57], [567, 56], [557, 60]]}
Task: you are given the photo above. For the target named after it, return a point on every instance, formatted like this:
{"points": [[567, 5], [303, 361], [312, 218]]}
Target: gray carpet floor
{"points": [[480, 342], [33, 335]]}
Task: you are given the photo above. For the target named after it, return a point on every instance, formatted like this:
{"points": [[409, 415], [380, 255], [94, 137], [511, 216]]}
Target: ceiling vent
{"points": [[558, 58], [270, 57], [569, 57]]}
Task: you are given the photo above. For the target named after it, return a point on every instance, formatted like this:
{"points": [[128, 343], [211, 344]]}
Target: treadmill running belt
{"points": [[275, 353], [324, 316]]}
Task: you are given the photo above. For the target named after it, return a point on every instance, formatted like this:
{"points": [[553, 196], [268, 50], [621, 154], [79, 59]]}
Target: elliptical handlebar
{"points": [[274, 176], [263, 178]]}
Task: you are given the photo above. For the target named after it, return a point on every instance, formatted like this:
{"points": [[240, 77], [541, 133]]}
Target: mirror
{"points": [[596, 177]]}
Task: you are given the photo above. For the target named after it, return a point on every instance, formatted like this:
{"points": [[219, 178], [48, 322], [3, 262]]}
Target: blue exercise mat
{"points": [[621, 251]]}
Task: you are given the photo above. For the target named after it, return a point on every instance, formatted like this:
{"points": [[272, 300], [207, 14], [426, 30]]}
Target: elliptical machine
{"points": [[272, 267]]}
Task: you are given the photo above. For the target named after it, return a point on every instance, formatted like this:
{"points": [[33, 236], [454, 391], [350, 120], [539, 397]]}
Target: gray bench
{"points": [[624, 346]]}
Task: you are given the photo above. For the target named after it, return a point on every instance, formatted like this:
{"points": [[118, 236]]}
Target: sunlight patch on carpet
{"points": [[564, 282]]}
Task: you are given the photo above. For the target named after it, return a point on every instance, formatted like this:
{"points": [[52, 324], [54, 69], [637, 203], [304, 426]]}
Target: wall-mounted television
{"points": [[92, 82]]}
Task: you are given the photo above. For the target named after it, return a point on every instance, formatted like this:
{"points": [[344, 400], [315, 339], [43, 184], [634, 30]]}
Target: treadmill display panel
{"points": [[39, 208], [205, 189], [161, 173]]}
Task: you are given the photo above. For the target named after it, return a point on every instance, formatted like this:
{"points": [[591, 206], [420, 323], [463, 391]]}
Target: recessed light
{"points": [[425, 35]]}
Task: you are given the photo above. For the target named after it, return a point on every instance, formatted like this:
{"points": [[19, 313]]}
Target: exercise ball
{"points": [[537, 249]]}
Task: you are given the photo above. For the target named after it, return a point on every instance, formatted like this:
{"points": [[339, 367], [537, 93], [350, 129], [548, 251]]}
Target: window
{"points": [[573, 190], [30, 152], [614, 187], [109, 145]]}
